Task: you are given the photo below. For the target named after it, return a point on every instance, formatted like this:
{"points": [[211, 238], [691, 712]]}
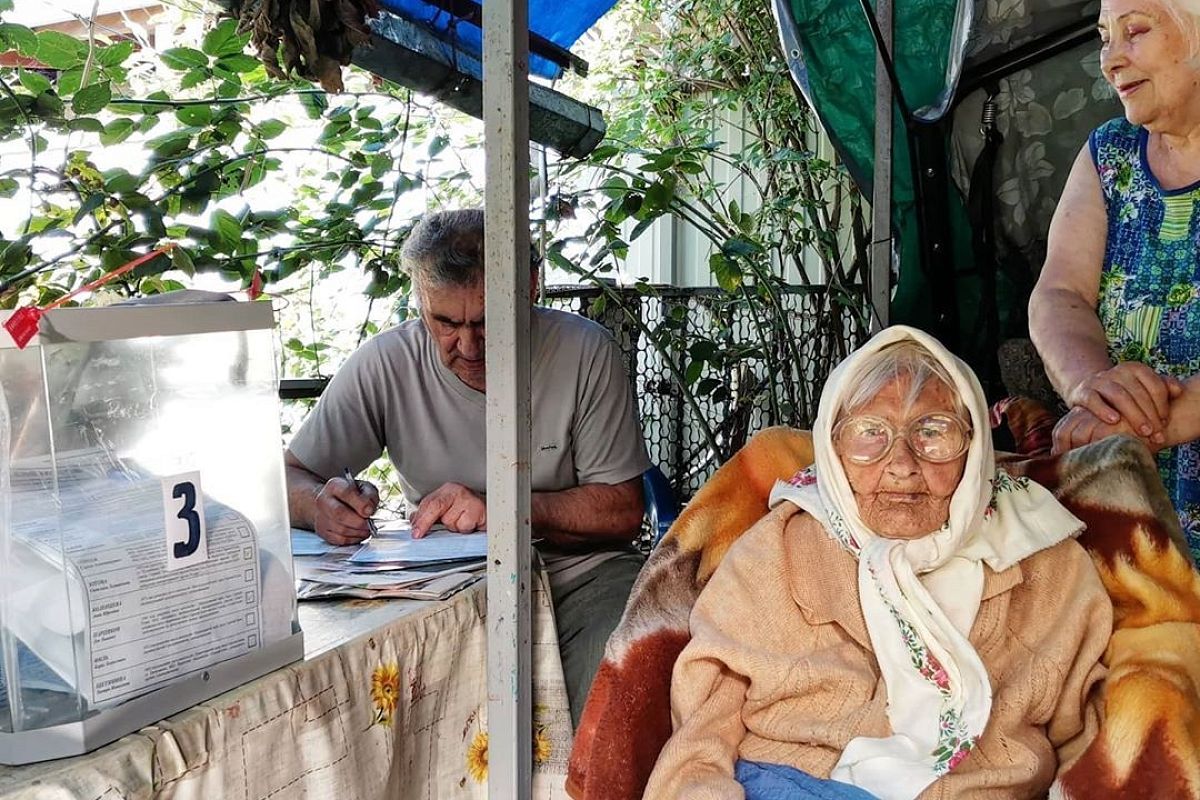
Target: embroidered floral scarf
{"points": [[920, 597]]}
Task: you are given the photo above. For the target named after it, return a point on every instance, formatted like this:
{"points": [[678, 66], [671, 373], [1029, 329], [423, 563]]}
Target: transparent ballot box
{"points": [[144, 542]]}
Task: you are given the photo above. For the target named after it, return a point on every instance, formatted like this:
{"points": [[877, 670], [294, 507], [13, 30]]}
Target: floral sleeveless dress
{"points": [[1150, 286]]}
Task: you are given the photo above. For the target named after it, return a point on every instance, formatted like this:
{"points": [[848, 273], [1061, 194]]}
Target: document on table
{"points": [[400, 546], [439, 588], [308, 543], [393, 579]]}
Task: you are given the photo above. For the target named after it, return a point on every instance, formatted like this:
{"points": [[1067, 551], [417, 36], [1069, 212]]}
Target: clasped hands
{"points": [[343, 508], [1129, 398]]}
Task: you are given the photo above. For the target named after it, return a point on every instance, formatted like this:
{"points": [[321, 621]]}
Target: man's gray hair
{"points": [[907, 359], [445, 248]]}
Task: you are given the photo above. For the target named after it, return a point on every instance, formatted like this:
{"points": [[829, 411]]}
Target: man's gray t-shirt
{"points": [[395, 394]]}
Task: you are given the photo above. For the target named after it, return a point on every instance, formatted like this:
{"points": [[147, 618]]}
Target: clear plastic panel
{"points": [[112, 449], [39, 607]]}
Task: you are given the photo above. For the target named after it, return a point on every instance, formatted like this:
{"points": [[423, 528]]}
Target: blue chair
{"points": [[661, 506]]}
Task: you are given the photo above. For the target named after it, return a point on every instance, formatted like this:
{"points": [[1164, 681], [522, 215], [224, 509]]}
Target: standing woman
{"points": [[1116, 312]]}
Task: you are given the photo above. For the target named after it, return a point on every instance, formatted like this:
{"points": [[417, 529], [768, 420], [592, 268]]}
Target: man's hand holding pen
{"points": [[343, 509], [365, 489]]}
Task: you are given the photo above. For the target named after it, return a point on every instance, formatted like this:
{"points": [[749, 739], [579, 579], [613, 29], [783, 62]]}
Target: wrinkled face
{"points": [[902, 496], [1146, 57], [453, 316]]}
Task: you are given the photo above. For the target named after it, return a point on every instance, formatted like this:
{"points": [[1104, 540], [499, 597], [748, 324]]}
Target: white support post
{"points": [[881, 197], [506, 208]]}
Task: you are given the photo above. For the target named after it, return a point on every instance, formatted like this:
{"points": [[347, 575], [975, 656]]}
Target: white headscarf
{"points": [[939, 696]]}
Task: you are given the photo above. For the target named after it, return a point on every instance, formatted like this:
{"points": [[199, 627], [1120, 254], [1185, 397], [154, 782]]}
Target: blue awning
{"points": [[560, 22]]}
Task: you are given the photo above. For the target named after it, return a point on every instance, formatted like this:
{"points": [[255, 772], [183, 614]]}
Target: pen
{"points": [[350, 477]]}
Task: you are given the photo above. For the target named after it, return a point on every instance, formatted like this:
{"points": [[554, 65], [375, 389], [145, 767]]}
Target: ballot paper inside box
{"points": [[144, 538]]}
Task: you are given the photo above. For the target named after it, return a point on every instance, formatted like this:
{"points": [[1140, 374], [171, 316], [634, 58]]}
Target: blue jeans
{"points": [[779, 782]]}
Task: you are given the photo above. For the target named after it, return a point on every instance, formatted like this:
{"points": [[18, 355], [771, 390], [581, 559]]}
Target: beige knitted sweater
{"points": [[780, 669]]}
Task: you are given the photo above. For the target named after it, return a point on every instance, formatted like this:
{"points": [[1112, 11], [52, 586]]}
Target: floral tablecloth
{"points": [[389, 702]]}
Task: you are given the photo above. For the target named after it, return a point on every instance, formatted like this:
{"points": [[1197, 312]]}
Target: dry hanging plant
{"points": [[317, 36]]}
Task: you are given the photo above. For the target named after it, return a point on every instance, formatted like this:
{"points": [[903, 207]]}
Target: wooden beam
{"points": [[507, 308]]}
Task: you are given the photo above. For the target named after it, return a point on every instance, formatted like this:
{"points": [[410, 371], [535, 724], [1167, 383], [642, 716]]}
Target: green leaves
{"points": [[89, 205], [89, 124], [116, 131], [603, 153], [227, 231], [33, 81], [182, 261], [314, 104], [658, 195], [194, 78], [726, 271], [14, 255], [182, 59], [194, 115], [269, 129], [114, 54], [308, 352], [91, 99], [59, 51], [118, 181], [47, 104], [614, 187], [207, 128], [19, 38], [738, 246], [381, 165], [239, 63], [69, 81], [170, 144], [224, 40]]}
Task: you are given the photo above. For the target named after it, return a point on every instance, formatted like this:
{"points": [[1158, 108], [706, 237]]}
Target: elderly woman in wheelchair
{"points": [[908, 620]]}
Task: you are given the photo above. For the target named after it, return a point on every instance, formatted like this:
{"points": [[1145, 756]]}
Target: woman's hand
{"points": [[1130, 393], [1080, 426]]}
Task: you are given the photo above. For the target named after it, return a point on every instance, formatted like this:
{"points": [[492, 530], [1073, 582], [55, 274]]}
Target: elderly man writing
{"points": [[417, 391]]}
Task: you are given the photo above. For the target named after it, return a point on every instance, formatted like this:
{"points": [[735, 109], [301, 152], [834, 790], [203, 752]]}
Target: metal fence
{"points": [[696, 410]]}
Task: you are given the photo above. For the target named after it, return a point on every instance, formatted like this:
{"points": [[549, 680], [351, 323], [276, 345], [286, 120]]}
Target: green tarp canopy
{"points": [[987, 192]]}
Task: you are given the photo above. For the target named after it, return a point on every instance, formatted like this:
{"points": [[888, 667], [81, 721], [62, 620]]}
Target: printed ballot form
{"points": [[132, 617]]}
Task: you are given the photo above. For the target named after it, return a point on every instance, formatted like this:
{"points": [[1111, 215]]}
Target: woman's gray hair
{"points": [[907, 359], [1185, 14]]}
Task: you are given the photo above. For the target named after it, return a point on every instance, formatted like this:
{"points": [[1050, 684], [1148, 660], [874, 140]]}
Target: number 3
{"points": [[187, 491]]}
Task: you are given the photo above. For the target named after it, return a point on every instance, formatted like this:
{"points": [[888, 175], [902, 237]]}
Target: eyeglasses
{"points": [[937, 438]]}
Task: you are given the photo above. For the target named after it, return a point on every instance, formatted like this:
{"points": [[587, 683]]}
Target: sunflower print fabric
{"points": [[477, 751], [385, 692], [1149, 302]]}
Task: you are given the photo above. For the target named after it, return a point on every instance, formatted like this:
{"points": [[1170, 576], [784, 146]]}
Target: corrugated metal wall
{"points": [[673, 252]]}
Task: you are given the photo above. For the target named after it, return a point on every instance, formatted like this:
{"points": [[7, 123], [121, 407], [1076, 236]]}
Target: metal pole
{"points": [[881, 197], [506, 208]]}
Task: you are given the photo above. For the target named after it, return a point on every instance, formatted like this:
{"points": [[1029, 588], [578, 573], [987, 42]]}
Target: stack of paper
{"points": [[390, 564]]}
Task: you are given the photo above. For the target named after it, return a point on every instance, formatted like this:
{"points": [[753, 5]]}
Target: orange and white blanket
{"points": [[1149, 744]]}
